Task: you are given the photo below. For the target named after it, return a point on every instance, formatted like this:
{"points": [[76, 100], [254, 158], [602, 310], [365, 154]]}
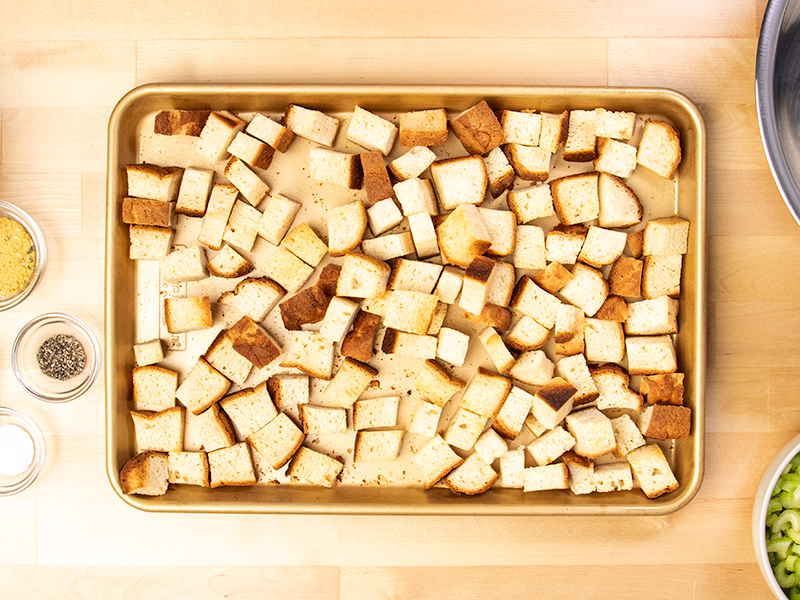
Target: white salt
{"points": [[16, 450]]}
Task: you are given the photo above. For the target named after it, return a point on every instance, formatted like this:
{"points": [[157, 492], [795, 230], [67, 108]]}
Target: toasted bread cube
{"points": [[533, 367], [652, 471], [160, 431], [619, 204], [289, 389], [612, 382], [530, 163], [512, 415], [554, 130], [526, 334], [486, 394], [439, 315], [499, 172], [502, 227], [375, 413], [502, 283], [533, 202], [362, 276], [141, 211], [184, 264], [310, 352], [251, 150], [667, 388], [659, 148], [478, 129], [423, 235], [581, 473], [665, 421], [339, 168], [346, 226], [534, 426], [636, 243], [563, 244], [242, 227], [615, 158], [552, 278], [492, 315], [311, 124], [305, 307], [231, 466], [452, 346], [228, 263], [502, 359], [627, 435], [464, 429], [220, 205], [576, 371], [387, 247], [147, 474], [618, 125], [203, 386], [569, 330], [593, 433], [652, 317], [530, 249], [373, 446], [254, 297], [661, 275], [154, 386], [217, 134], [512, 465], [612, 477], [359, 342], [668, 236], [415, 196], [187, 314], [552, 402], [371, 131], [222, 356], [604, 341], [478, 280], [463, 236], [153, 182], [383, 216], [214, 429], [625, 277], [189, 468], [423, 128], [602, 246], [473, 476], [460, 180], [413, 163], [148, 353], [313, 467], [425, 419], [580, 145], [436, 384], [279, 212], [350, 381], [286, 269], [375, 177], [575, 198], [270, 132], [253, 343], [410, 311], [414, 276], [613, 309], [435, 458], [521, 127], [533, 301], [249, 409], [449, 284], [490, 446], [277, 441], [409, 344], [250, 185], [549, 477], [149, 243], [550, 445], [322, 419], [587, 289], [180, 122], [650, 354], [338, 318]]}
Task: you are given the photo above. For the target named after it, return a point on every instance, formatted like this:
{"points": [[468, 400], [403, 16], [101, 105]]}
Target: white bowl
{"points": [[763, 495], [13, 484]]}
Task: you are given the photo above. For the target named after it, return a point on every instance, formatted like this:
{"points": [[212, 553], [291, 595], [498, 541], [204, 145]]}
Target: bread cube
{"points": [[180, 122], [383, 216], [436, 384], [149, 243], [473, 476], [253, 297], [533, 367], [587, 289], [423, 235], [613, 309], [413, 163], [533, 301], [362, 276], [550, 445], [569, 330], [619, 204], [311, 124], [580, 145], [521, 127], [217, 134], [554, 130], [222, 356], [160, 431], [371, 131], [615, 158], [526, 334], [154, 386], [270, 132], [449, 284], [668, 236], [253, 343], [338, 318], [202, 387], [153, 182], [415, 196], [499, 172], [423, 128], [214, 429], [512, 415], [530, 163], [627, 435], [277, 441], [575, 198], [530, 248], [665, 421], [502, 227], [612, 477], [659, 148], [184, 264], [532, 202], [502, 359], [464, 429], [549, 477], [667, 388], [485, 394], [512, 465], [463, 236], [618, 125], [650, 354], [375, 177], [652, 317], [220, 205], [187, 314], [231, 466], [414, 276], [490, 446], [409, 344], [310, 352], [279, 212], [593, 433], [612, 382], [358, 343], [229, 264], [452, 346], [251, 150], [387, 247], [250, 185], [478, 279], [602, 246], [478, 129], [375, 413], [242, 226], [148, 353], [563, 243], [460, 180], [604, 341], [576, 371], [350, 381], [346, 226], [410, 311], [339, 168], [189, 468], [288, 389], [661, 275], [552, 402], [425, 419], [435, 458], [249, 409], [652, 471], [147, 473], [286, 269], [322, 419], [310, 466], [141, 211], [552, 278], [373, 446]]}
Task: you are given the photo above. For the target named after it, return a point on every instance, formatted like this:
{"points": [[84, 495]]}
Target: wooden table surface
{"points": [[63, 66]]}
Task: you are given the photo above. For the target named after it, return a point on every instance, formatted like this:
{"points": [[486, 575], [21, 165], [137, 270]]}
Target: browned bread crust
{"points": [[249, 340], [305, 307], [376, 178], [478, 129], [180, 122], [359, 341]]}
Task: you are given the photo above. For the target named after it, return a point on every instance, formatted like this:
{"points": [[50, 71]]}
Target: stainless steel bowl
{"points": [[778, 96]]}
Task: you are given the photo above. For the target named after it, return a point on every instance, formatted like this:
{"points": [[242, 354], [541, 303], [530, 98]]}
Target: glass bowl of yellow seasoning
{"points": [[21, 451], [22, 255], [56, 357]]}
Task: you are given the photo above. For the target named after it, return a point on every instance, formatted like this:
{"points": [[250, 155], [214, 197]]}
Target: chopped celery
{"points": [[780, 546], [789, 519], [774, 506], [783, 529], [785, 578]]}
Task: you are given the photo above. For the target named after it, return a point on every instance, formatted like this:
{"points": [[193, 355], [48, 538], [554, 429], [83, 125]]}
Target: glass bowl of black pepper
{"points": [[23, 255], [56, 357]]}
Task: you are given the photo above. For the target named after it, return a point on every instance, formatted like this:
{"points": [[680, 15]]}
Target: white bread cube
{"points": [[627, 435], [270, 132], [460, 180], [253, 297], [650, 354], [512, 465], [486, 393], [619, 204], [564, 245], [576, 371], [387, 247], [190, 468], [311, 124], [581, 473], [464, 429], [612, 382], [322, 419], [490, 446], [217, 134], [659, 148], [532, 202], [339, 168], [350, 381], [250, 185], [409, 344], [423, 127], [375, 413], [371, 131], [616, 158], [436, 384], [184, 264], [416, 195], [602, 246], [509, 421], [667, 236], [502, 359], [346, 226], [501, 288], [249, 409], [286, 269], [575, 198], [473, 476], [604, 341], [228, 263], [288, 389], [194, 191], [530, 249], [449, 285], [305, 244], [478, 280], [521, 127], [279, 212], [652, 471], [414, 276], [425, 419], [423, 234], [533, 301], [412, 163], [554, 130], [187, 314], [530, 163], [214, 429], [581, 138], [338, 319], [499, 171], [277, 441], [435, 458], [149, 243], [251, 150], [374, 446], [533, 367], [311, 353], [463, 236], [160, 431], [232, 465], [153, 182], [202, 387], [550, 445], [310, 466], [526, 334], [502, 226], [452, 346], [439, 315], [534, 425], [242, 227], [661, 275], [587, 289], [362, 276], [154, 386], [652, 317], [549, 477], [618, 125], [593, 433], [612, 477], [220, 205], [148, 353], [383, 216], [569, 330], [410, 311], [224, 358], [552, 402]]}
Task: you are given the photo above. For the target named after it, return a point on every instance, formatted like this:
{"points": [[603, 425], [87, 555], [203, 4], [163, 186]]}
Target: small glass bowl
{"points": [[26, 366], [20, 216], [16, 483]]}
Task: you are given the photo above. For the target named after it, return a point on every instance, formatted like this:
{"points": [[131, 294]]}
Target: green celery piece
{"points": [[785, 578], [789, 519], [780, 546]]}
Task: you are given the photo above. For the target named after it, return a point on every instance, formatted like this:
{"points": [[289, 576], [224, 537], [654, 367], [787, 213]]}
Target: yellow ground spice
{"points": [[17, 257]]}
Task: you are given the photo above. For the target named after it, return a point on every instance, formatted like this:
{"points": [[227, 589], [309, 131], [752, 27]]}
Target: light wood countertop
{"points": [[64, 65]]}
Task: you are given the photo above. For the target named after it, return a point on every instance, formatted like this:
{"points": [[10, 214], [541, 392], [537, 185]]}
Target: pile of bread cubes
{"points": [[567, 316]]}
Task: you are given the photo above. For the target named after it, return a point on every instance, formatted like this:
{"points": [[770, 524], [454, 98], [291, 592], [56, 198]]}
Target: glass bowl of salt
{"points": [[21, 451], [56, 357]]}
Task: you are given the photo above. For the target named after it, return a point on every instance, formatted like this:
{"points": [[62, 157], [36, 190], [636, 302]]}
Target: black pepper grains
{"points": [[61, 357]]}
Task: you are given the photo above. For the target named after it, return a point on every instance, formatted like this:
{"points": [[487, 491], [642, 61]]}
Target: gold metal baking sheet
{"points": [[134, 292]]}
